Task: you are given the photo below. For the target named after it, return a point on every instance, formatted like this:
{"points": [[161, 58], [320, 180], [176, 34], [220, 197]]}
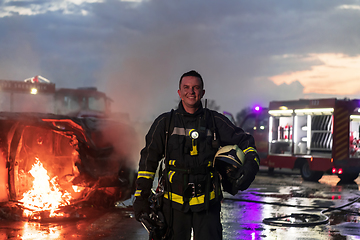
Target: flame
{"points": [[77, 188], [37, 231], [45, 195]]}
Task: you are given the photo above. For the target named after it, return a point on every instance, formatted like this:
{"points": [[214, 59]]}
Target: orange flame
{"points": [[45, 195]]}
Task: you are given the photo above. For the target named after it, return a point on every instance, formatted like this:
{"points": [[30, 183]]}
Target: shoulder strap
{"points": [[169, 127], [169, 124], [215, 141]]}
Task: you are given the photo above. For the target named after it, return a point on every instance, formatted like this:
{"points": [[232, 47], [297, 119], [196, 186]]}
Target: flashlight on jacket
{"points": [[194, 135]]}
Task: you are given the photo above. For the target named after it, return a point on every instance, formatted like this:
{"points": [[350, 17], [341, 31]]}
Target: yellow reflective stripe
{"points": [[209, 164], [146, 174], [172, 162], [170, 175], [257, 160], [137, 193], [193, 201], [249, 149]]}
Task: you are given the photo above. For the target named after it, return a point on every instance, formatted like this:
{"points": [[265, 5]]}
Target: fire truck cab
{"points": [[82, 102], [316, 136]]}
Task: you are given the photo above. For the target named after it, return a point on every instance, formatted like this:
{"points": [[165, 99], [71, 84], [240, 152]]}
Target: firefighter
{"points": [[188, 138]]}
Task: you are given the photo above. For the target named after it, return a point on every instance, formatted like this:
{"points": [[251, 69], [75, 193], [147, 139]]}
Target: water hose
{"points": [[298, 219]]}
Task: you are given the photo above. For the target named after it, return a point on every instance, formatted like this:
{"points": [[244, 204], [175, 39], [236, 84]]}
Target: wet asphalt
{"points": [[278, 206]]}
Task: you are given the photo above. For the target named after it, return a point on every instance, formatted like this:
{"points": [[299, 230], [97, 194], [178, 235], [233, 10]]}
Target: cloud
{"points": [[349, 7], [136, 51], [335, 74], [36, 7]]}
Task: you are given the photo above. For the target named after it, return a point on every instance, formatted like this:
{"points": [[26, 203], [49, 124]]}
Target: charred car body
{"points": [[90, 157]]}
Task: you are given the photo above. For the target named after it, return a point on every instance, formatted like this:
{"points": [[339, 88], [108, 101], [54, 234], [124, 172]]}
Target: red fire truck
{"points": [[33, 95], [316, 136]]}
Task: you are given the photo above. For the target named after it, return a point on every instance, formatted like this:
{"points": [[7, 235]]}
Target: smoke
{"points": [[142, 80], [142, 83], [121, 138], [19, 59], [25, 102]]}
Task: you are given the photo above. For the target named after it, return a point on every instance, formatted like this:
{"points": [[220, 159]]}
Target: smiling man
{"points": [[188, 139], [191, 91]]}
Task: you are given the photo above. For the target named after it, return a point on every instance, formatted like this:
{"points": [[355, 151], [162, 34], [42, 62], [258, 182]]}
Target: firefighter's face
{"points": [[191, 91]]}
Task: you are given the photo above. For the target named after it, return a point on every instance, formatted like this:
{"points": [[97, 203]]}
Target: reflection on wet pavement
{"points": [[33, 230], [243, 214]]}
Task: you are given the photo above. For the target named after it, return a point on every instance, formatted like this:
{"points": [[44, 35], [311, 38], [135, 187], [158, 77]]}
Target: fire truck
{"points": [[41, 96], [316, 136], [74, 135]]}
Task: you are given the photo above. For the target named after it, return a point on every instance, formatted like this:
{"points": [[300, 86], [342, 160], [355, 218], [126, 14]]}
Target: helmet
{"points": [[228, 162]]}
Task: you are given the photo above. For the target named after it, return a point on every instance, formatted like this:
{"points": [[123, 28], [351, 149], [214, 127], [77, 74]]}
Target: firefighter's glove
{"points": [[141, 205], [248, 172]]}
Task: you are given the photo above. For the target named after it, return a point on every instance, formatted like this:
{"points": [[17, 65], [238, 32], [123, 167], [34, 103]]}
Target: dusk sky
{"points": [[247, 51]]}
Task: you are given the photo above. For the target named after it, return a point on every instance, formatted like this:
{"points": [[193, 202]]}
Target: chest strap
{"points": [[201, 170]]}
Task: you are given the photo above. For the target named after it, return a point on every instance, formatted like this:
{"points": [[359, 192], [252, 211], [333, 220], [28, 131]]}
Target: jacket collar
{"points": [[185, 113]]}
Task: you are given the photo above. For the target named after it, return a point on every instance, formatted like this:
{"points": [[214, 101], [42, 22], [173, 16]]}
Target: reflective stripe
{"points": [[137, 193], [145, 174], [172, 162], [251, 149], [170, 175], [183, 132], [193, 201], [178, 131]]}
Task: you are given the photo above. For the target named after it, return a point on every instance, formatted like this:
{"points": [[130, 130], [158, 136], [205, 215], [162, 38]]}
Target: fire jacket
{"points": [[190, 180]]}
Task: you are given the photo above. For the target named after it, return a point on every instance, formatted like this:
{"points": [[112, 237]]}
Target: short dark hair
{"points": [[192, 73]]}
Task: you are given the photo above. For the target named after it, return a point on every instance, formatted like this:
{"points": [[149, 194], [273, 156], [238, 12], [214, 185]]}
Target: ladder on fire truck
{"points": [[321, 139], [37, 79]]}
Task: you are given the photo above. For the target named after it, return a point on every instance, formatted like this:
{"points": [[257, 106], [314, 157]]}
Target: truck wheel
{"points": [[348, 177], [309, 175]]}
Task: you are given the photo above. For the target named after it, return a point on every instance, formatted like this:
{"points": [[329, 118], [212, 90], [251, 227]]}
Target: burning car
{"points": [[53, 164]]}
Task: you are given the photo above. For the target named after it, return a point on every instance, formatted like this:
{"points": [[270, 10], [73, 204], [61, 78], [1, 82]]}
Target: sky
{"points": [[248, 52]]}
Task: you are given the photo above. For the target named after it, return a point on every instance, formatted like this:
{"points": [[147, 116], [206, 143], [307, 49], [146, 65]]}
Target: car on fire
{"points": [[55, 160]]}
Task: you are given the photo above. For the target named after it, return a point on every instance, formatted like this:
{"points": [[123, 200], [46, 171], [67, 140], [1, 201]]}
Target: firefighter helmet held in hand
{"points": [[228, 162]]}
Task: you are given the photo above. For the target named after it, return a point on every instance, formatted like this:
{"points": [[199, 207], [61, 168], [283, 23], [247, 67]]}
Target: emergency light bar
{"points": [[314, 110], [281, 112], [257, 108], [357, 117]]}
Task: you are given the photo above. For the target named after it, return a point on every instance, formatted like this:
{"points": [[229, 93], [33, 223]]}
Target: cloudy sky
{"points": [[247, 51]]}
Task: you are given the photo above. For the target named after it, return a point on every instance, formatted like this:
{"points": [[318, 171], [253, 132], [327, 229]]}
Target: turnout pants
{"points": [[205, 224]]}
